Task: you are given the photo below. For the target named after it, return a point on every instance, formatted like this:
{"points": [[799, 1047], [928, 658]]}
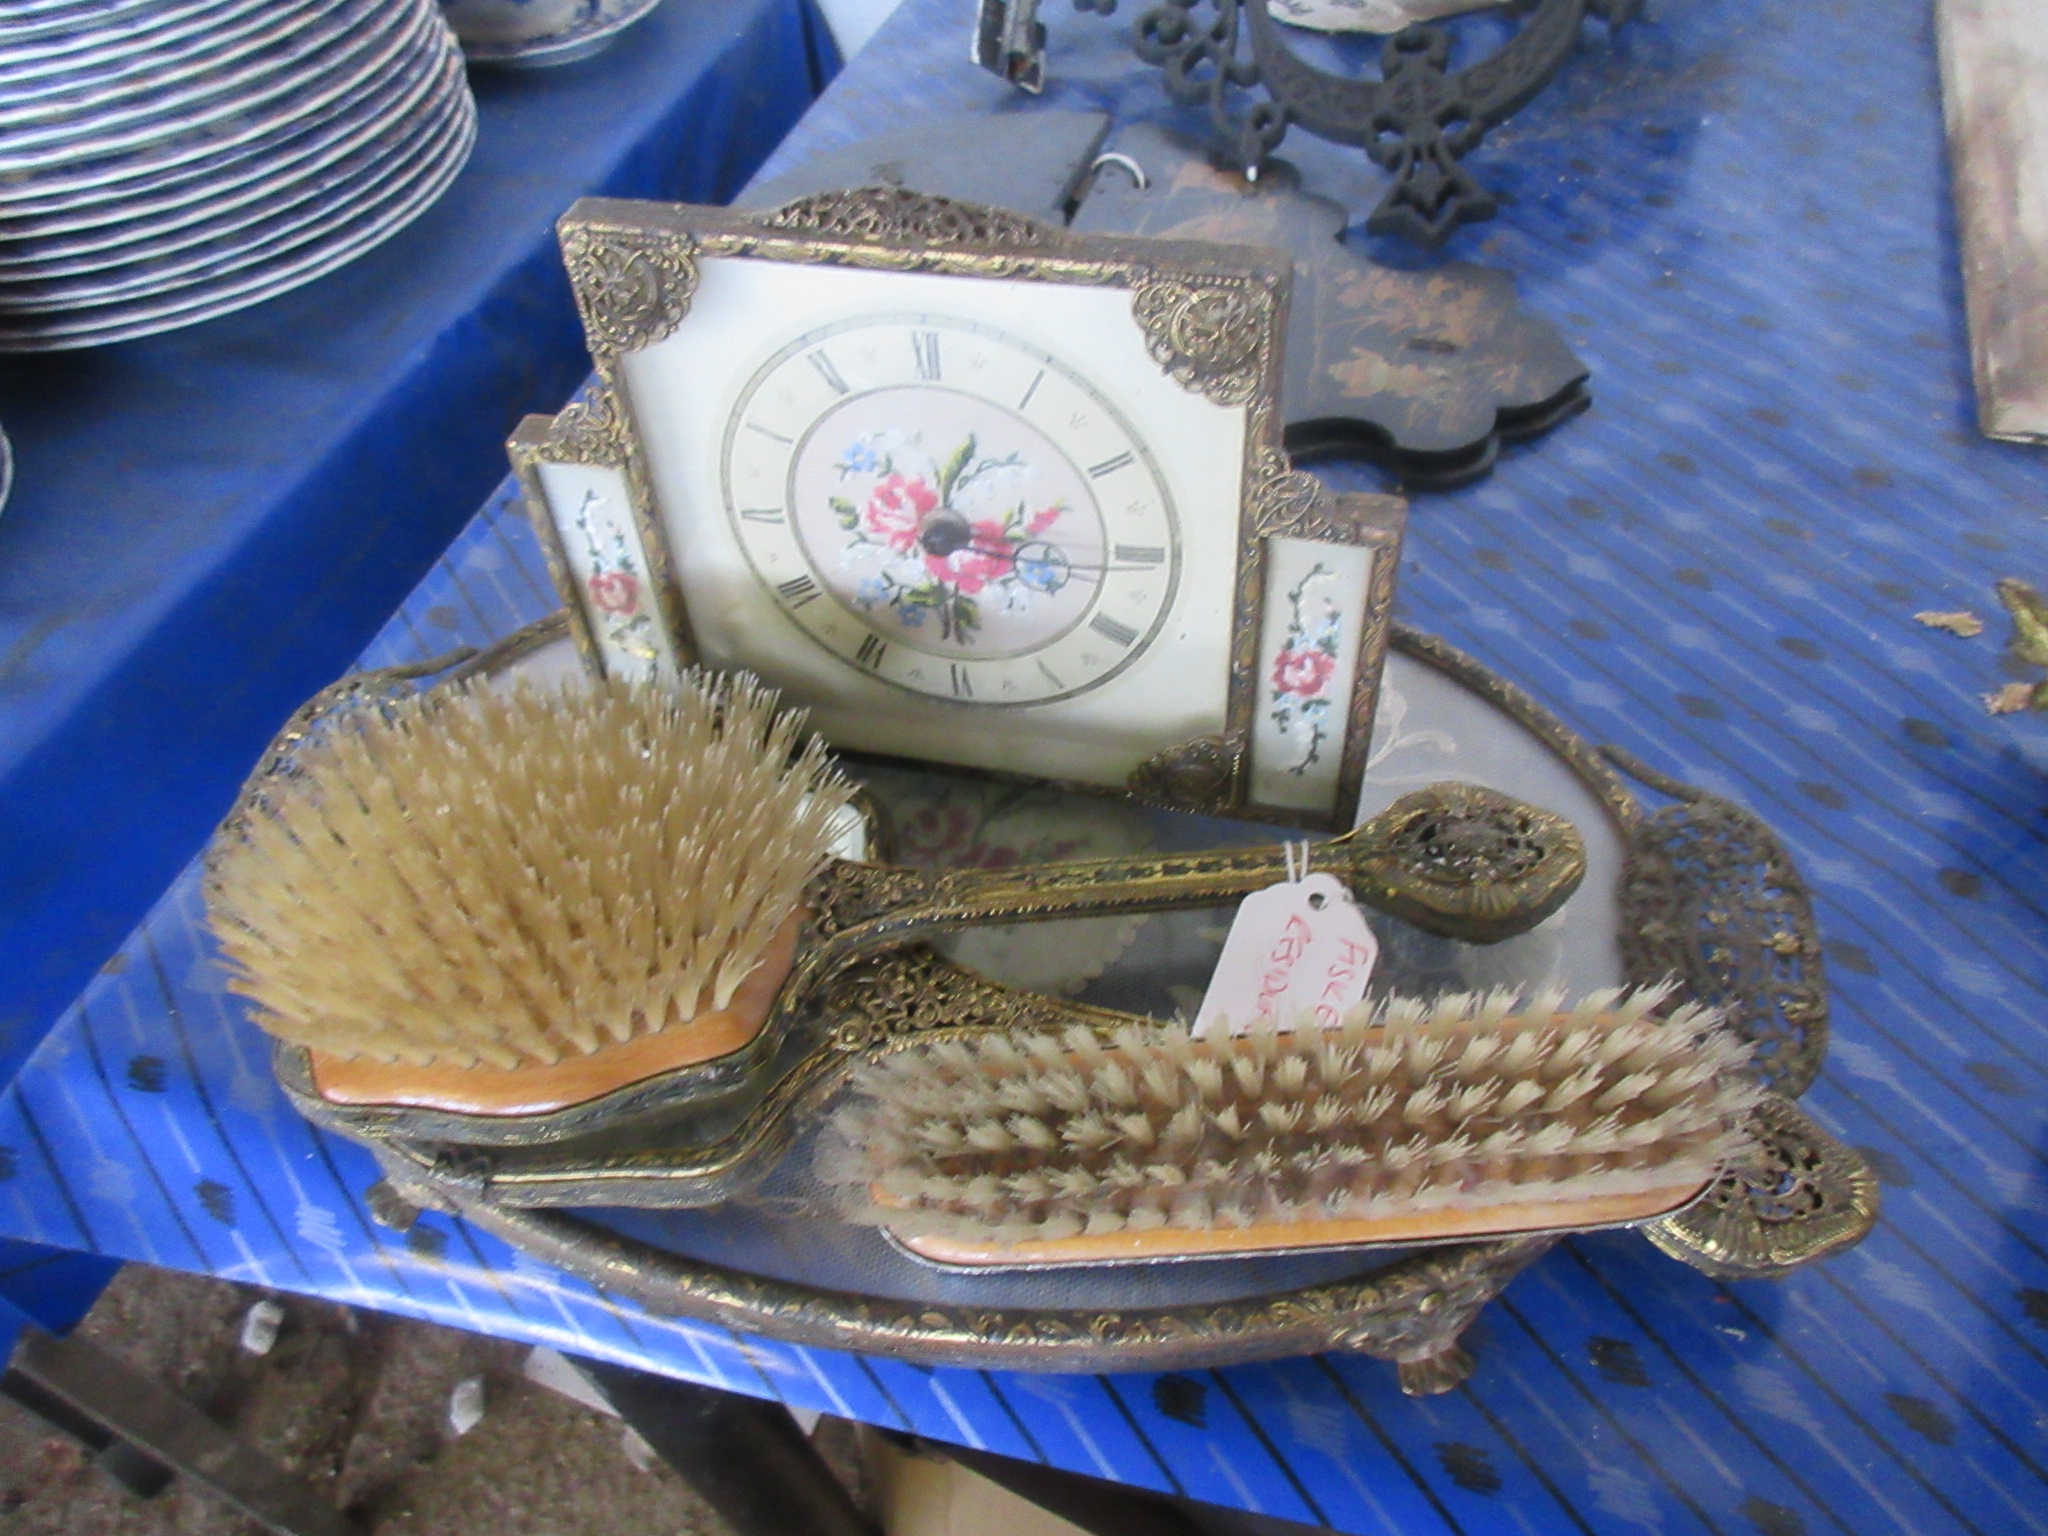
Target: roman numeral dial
{"points": [[1113, 629], [797, 591], [829, 372], [932, 506]]}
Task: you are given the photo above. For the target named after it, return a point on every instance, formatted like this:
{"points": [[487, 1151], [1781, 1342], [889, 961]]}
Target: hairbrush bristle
{"points": [[1471, 1102], [506, 877]]}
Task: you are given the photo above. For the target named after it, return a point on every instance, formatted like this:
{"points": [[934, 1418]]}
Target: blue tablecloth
{"points": [[1740, 214], [208, 525]]}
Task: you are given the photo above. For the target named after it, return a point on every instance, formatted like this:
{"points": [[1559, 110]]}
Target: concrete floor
{"points": [[357, 1404]]}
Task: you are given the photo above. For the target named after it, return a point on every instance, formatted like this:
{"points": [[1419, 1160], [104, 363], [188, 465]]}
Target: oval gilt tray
{"points": [[1697, 888]]}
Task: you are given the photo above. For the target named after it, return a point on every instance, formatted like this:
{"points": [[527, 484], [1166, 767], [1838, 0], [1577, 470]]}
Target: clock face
{"points": [[950, 510]]}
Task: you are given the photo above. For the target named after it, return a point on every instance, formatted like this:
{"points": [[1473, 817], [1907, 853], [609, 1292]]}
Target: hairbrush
{"points": [[479, 880], [512, 901], [1475, 1115]]}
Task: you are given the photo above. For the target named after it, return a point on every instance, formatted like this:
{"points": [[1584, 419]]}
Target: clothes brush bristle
{"points": [[511, 876], [1468, 1102]]}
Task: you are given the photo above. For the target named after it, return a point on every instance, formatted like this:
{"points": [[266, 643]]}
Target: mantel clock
{"points": [[973, 490]]}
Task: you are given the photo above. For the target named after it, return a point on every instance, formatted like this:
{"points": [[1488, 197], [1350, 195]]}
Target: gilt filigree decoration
{"points": [[897, 215], [1294, 502], [1710, 896], [632, 288], [1198, 775], [1210, 336], [1801, 1196], [1411, 1311], [892, 1000], [589, 430], [849, 894], [1462, 859]]}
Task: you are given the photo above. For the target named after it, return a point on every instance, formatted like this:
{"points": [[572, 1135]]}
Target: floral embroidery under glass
{"points": [[968, 533], [947, 561], [1305, 667], [616, 587]]}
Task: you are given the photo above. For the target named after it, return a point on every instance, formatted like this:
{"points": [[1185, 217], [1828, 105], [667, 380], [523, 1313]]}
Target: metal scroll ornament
{"points": [[1419, 120], [1711, 897], [894, 213], [1461, 858], [1801, 1197], [1202, 334], [632, 291]]}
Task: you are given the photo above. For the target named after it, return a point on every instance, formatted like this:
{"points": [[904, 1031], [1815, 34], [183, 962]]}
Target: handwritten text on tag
{"points": [[1297, 956]]}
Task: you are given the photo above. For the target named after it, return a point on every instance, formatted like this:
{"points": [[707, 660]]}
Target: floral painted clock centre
{"points": [[950, 509]]}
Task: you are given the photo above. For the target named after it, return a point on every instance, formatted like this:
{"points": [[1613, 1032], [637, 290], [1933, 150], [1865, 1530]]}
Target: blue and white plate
{"points": [[129, 159], [187, 118], [162, 161], [91, 46], [243, 238], [360, 229], [91, 28], [43, 18], [535, 34], [239, 71], [241, 185], [80, 85], [392, 163], [294, 148]]}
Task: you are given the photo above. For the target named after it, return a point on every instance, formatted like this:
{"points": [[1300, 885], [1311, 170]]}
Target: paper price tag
{"points": [[1297, 955]]}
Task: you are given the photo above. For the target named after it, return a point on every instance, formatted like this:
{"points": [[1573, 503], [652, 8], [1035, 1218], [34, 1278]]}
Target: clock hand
{"points": [[1106, 568], [947, 533]]}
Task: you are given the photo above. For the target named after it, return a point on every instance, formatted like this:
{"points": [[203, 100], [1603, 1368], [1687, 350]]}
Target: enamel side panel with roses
{"points": [[605, 560], [978, 516]]}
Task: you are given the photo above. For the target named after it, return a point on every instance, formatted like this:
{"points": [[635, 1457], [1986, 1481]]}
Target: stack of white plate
{"points": [[164, 161]]}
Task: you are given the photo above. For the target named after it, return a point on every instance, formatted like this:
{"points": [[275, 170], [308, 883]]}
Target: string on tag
{"points": [[1297, 855]]}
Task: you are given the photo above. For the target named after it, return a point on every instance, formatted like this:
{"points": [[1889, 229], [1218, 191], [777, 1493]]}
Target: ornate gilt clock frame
{"points": [[1212, 319]]}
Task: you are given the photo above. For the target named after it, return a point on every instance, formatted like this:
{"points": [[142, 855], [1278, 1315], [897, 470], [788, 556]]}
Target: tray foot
{"points": [[1439, 1371]]}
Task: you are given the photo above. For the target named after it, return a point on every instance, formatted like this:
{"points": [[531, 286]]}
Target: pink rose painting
{"points": [[991, 553], [614, 592], [1303, 673], [896, 511], [1305, 668], [949, 562], [619, 612]]}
